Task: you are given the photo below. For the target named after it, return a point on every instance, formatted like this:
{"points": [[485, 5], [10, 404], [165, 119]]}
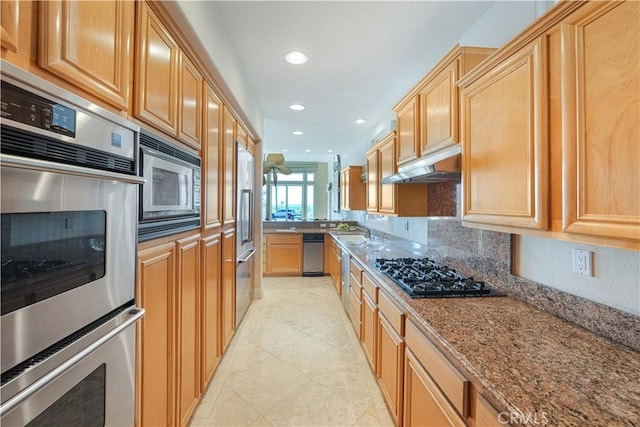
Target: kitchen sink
{"points": [[352, 239]]}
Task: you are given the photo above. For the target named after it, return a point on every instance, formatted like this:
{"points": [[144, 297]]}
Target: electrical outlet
{"points": [[406, 226], [582, 262], [323, 225]]}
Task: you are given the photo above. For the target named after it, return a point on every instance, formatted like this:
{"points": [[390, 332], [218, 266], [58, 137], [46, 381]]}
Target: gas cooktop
{"points": [[424, 278]]}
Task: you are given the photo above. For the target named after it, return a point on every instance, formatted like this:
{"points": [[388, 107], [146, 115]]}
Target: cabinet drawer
{"points": [[393, 314], [354, 315], [356, 270], [355, 298], [284, 239], [370, 287], [452, 383], [356, 287]]}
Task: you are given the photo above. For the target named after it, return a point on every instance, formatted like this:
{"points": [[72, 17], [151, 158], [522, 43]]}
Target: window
{"points": [[292, 197]]}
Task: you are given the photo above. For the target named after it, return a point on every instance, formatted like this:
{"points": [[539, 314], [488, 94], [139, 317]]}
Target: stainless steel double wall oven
{"points": [[69, 224]]}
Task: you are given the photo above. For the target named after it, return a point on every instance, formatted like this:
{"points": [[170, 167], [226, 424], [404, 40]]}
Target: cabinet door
{"points": [[387, 167], [228, 296], [390, 363], [284, 259], [408, 131], [424, 404], [601, 99], [10, 24], [188, 309], [439, 110], [156, 352], [210, 297], [89, 45], [190, 115], [505, 150], [229, 168], [372, 181], [212, 159], [369, 324], [157, 72], [486, 415]]}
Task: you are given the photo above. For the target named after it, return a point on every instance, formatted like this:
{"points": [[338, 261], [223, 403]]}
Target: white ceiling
{"points": [[363, 57]]}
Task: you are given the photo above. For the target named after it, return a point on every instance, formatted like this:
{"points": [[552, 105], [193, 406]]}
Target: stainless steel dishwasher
{"points": [[312, 254]]}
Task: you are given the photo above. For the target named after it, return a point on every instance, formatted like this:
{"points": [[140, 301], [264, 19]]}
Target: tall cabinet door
{"points": [[157, 64], [210, 297], [212, 158], [188, 309], [504, 142], [89, 44], [229, 170], [601, 100], [228, 297], [155, 292], [190, 117]]}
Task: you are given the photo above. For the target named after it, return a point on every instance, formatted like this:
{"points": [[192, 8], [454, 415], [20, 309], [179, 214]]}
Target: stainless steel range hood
{"points": [[438, 166]]}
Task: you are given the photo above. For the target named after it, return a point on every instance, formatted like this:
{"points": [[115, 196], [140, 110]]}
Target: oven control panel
{"points": [[33, 110]]}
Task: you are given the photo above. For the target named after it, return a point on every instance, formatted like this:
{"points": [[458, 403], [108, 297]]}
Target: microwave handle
{"points": [[46, 166]]}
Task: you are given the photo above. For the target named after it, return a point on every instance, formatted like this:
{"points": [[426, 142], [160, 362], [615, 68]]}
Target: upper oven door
{"points": [[68, 241], [169, 187]]}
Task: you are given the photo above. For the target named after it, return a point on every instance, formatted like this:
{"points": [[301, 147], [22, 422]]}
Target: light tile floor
{"points": [[294, 361]]}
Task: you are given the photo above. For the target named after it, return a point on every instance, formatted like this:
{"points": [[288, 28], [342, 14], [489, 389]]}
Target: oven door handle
{"points": [[135, 313], [46, 166]]}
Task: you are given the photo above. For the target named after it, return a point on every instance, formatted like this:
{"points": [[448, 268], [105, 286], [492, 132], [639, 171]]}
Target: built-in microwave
{"points": [[170, 196]]}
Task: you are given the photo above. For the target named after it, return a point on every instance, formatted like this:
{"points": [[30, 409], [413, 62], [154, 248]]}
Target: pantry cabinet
{"points": [[600, 83], [229, 168], [188, 326], [88, 44], [211, 316], [391, 199], [284, 254], [155, 371], [228, 288], [504, 142], [390, 354], [212, 159], [352, 189]]}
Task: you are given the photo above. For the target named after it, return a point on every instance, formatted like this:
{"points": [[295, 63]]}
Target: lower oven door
{"points": [[91, 382]]}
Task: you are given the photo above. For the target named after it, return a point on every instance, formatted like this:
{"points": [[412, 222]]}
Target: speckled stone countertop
{"points": [[536, 366]]}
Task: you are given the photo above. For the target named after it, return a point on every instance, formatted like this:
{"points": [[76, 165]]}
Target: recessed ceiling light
{"points": [[296, 57], [359, 121], [285, 150], [307, 151], [329, 151], [297, 107], [298, 132]]}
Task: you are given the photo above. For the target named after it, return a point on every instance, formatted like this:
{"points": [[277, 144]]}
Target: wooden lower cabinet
{"points": [[210, 305], [188, 313], [486, 415], [390, 358], [284, 255], [228, 296], [155, 336], [424, 403], [369, 329]]}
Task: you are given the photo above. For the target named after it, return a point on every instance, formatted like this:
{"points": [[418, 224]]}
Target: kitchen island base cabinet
{"points": [[284, 254], [155, 355]]}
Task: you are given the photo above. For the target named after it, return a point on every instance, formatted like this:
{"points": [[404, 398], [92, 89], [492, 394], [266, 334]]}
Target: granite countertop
{"points": [[537, 366]]}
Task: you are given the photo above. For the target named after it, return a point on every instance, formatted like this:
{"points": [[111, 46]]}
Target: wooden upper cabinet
{"points": [[158, 56], [352, 190], [600, 131], [212, 158], [89, 44], [190, 103], [504, 142], [407, 115], [372, 180], [10, 24], [229, 168], [439, 110], [387, 167]]}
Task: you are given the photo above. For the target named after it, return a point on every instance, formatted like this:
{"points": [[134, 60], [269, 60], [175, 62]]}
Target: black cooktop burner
{"points": [[424, 278]]}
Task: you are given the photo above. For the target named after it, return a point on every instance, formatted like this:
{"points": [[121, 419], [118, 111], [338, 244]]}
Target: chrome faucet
{"points": [[367, 231]]}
